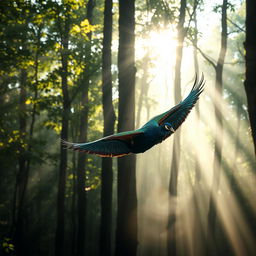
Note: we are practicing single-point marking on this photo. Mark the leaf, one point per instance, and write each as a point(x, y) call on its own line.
point(28, 101)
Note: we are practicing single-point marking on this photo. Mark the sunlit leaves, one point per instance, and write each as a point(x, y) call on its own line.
point(74, 4)
point(12, 140)
point(163, 12)
point(32, 37)
point(38, 19)
point(53, 125)
point(230, 6)
point(92, 175)
point(7, 245)
point(83, 29)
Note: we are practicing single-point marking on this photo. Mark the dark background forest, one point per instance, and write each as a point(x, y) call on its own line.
point(79, 70)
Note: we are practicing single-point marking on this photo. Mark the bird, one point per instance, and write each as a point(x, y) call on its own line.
point(140, 140)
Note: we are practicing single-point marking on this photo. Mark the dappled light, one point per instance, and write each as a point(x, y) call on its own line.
point(197, 136)
point(75, 73)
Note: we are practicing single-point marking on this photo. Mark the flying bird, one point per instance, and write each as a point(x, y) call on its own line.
point(153, 132)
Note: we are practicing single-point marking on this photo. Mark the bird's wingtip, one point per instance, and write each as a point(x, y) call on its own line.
point(199, 83)
point(66, 144)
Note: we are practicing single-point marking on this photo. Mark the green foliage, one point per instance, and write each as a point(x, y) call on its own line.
point(7, 246)
point(31, 39)
point(230, 6)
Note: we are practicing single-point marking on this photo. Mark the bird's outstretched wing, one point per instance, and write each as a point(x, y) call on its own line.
point(177, 115)
point(111, 146)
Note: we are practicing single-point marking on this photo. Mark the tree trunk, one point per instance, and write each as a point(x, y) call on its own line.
point(22, 176)
point(81, 164)
point(60, 230)
point(196, 211)
point(24, 156)
point(109, 122)
point(126, 232)
point(196, 66)
point(218, 139)
point(171, 245)
point(250, 62)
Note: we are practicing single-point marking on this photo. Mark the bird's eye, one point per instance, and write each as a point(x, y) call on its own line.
point(167, 127)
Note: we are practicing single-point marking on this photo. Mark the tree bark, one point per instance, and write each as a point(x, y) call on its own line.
point(196, 66)
point(218, 139)
point(81, 164)
point(60, 230)
point(126, 232)
point(171, 236)
point(250, 62)
point(196, 211)
point(22, 176)
point(109, 122)
point(26, 136)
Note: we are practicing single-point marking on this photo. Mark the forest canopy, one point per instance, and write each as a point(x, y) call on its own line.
point(79, 70)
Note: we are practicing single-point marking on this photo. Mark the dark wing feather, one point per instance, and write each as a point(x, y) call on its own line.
point(112, 146)
point(177, 115)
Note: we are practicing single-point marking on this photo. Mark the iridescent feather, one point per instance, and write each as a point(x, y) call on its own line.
point(153, 132)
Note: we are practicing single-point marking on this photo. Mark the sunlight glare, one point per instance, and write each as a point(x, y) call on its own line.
point(161, 46)
point(155, 52)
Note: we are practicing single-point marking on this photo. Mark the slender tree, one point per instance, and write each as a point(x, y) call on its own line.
point(218, 136)
point(109, 122)
point(196, 66)
point(197, 227)
point(22, 176)
point(218, 139)
point(250, 60)
point(171, 245)
point(64, 30)
point(83, 128)
point(126, 232)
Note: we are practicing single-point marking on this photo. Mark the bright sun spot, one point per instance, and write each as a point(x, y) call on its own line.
point(160, 45)
point(155, 57)
point(160, 49)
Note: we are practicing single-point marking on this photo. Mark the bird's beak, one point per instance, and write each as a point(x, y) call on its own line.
point(172, 130)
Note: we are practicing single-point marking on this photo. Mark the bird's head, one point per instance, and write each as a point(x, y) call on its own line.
point(167, 127)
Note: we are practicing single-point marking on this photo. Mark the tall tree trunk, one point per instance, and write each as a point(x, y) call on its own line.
point(197, 227)
point(126, 232)
point(34, 108)
point(109, 122)
point(60, 230)
point(81, 164)
point(171, 245)
point(218, 140)
point(196, 66)
point(22, 176)
point(250, 62)
point(30, 144)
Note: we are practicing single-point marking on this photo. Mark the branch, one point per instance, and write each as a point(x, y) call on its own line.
point(237, 26)
point(191, 15)
point(204, 55)
point(234, 62)
point(234, 31)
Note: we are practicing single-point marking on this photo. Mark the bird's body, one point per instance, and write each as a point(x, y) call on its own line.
point(147, 137)
point(153, 132)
